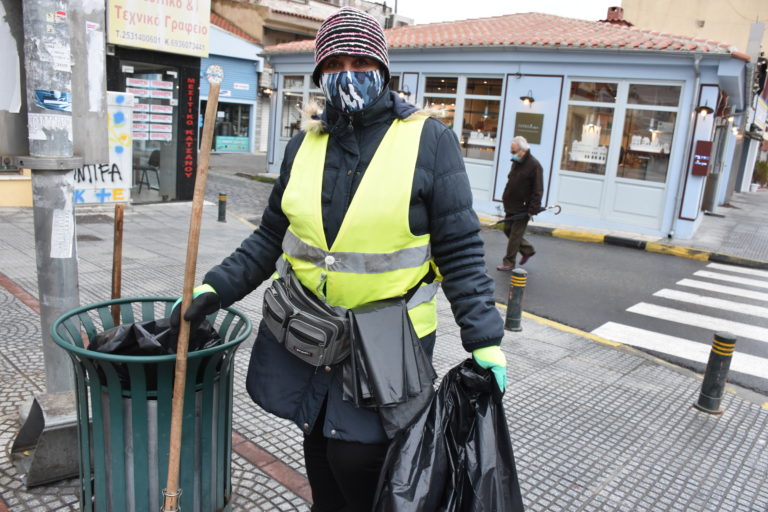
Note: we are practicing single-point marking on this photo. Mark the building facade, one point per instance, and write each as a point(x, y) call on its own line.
point(616, 115)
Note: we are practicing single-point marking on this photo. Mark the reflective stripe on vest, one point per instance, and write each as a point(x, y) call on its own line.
point(374, 256)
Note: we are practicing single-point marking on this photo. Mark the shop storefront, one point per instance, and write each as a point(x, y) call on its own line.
point(238, 113)
point(165, 89)
point(613, 118)
point(235, 127)
point(154, 54)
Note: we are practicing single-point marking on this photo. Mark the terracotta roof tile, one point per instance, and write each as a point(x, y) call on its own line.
point(230, 27)
point(531, 29)
point(297, 15)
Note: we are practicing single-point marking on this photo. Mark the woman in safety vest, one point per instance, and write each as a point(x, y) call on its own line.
point(373, 202)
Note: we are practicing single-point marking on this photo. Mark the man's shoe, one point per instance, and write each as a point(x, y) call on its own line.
point(526, 257)
point(504, 268)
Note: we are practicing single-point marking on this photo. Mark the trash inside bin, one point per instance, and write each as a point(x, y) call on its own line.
point(150, 338)
point(124, 409)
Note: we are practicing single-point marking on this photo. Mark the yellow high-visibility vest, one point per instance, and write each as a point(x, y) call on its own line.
point(374, 256)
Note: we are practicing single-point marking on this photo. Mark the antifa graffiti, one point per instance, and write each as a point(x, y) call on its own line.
point(98, 173)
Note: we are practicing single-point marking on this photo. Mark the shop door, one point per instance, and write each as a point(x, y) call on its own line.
point(536, 121)
point(155, 130)
point(616, 151)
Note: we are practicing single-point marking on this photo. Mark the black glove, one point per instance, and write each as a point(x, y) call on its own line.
point(205, 301)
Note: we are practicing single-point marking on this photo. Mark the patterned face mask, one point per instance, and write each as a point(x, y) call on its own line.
point(350, 91)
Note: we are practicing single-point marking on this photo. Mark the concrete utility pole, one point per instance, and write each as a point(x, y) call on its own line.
point(45, 449)
point(47, 61)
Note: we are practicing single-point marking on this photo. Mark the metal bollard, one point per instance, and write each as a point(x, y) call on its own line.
point(222, 207)
point(713, 387)
point(515, 300)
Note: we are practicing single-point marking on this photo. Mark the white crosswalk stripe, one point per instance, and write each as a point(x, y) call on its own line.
point(718, 298)
point(731, 279)
point(678, 347)
point(739, 270)
point(712, 302)
point(697, 320)
point(720, 288)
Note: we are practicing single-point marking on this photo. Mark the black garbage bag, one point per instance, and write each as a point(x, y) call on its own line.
point(152, 338)
point(457, 456)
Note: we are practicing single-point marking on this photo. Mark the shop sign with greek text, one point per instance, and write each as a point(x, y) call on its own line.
point(172, 26)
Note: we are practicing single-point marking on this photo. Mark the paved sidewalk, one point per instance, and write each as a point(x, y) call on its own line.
point(594, 426)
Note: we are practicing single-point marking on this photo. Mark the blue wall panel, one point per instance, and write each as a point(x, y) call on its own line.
point(236, 71)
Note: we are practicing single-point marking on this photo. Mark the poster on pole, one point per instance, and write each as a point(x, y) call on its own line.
point(110, 182)
point(172, 26)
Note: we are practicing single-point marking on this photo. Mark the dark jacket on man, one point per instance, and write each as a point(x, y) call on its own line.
point(441, 204)
point(524, 186)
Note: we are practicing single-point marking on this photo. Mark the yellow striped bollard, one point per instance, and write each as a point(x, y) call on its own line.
point(517, 283)
point(713, 387)
point(222, 207)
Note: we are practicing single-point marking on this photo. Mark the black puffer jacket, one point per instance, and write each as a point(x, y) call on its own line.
point(441, 204)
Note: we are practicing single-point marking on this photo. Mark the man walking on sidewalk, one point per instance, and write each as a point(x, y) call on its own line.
point(521, 198)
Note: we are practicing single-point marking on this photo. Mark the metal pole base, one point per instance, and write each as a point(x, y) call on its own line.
point(46, 448)
point(714, 412)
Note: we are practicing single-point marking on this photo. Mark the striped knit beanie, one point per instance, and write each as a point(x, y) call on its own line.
point(350, 31)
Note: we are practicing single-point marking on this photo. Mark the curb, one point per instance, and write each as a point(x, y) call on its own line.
point(680, 251)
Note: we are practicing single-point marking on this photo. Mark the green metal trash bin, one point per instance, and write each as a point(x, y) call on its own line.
point(124, 425)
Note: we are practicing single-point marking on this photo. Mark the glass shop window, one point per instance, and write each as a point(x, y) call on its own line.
point(587, 135)
point(647, 137)
point(290, 118)
point(594, 91)
point(394, 83)
point(441, 85)
point(479, 129)
point(440, 94)
point(658, 95)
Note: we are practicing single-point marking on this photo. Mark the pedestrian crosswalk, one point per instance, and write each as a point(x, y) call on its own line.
point(717, 298)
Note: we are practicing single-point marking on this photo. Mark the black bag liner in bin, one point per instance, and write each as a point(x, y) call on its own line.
point(457, 456)
point(150, 338)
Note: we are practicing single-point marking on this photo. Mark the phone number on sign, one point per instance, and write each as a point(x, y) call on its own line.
point(190, 45)
point(127, 35)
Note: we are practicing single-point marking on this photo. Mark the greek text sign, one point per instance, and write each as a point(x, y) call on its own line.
point(173, 26)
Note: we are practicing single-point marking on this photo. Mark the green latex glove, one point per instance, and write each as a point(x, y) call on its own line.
point(493, 358)
point(205, 301)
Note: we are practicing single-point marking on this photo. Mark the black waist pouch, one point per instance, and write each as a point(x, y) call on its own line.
point(308, 328)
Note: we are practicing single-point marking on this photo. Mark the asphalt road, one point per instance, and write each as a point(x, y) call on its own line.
point(592, 286)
